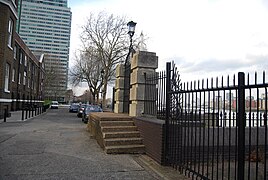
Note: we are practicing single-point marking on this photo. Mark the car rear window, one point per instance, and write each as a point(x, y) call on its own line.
point(93, 109)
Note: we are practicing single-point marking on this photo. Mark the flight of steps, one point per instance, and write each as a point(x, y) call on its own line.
point(120, 135)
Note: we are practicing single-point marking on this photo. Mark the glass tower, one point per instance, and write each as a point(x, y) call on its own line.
point(45, 27)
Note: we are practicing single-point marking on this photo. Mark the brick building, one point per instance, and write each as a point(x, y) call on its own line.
point(21, 73)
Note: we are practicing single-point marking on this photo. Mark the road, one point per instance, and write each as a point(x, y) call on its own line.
point(56, 145)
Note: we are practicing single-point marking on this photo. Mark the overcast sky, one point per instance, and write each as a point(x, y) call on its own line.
point(204, 37)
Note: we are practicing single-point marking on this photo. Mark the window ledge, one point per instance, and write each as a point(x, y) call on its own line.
point(7, 91)
point(10, 47)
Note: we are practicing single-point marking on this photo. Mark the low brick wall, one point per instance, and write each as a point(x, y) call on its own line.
point(152, 132)
point(94, 128)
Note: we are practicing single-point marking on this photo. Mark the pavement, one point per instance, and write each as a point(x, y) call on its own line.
point(16, 116)
point(56, 145)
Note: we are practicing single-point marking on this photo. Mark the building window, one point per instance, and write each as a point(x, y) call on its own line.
point(21, 55)
point(15, 52)
point(29, 82)
point(25, 60)
point(7, 77)
point(10, 32)
point(13, 74)
point(30, 66)
point(24, 78)
point(33, 86)
point(19, 78)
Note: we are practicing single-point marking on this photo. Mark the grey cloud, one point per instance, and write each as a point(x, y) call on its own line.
point(262, 45)
point(258, 59)
point(209, 65)
point(215, 65)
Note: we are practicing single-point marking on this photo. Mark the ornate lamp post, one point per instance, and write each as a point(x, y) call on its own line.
point(131, 31)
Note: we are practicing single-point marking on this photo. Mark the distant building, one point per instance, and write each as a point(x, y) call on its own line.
point(45, 27)
point(21, 73)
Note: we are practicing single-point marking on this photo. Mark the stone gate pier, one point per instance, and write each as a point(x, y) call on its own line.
point(142, 63)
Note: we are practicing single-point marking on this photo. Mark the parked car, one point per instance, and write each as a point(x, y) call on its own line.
point(54, 105)
point(74, 107)
point(81, 109)
point(89, 109)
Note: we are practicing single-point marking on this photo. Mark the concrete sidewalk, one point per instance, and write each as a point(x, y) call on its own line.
point(16, 116)
point(56, 145)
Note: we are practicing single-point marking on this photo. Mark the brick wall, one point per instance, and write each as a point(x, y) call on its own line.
point(6, 56)
point(152, 132)
point(16, 91)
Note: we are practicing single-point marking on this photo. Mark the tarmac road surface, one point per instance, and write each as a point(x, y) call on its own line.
point(56, 145)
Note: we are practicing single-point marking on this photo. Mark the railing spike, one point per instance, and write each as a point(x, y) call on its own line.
point(212, 82)
point(248, 78)
point(263, 78)
point(255, 78)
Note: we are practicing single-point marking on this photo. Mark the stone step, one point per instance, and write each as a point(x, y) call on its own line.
point(118, 128)
point(125, 149)
point(116, 119)
point(122, 141)
point(110, 117)
point(126, 134)
point(116, 123)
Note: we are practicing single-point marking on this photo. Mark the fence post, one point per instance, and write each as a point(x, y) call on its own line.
point(26, 113)
point(241, 123)
point(168, 88)
point(5, 115)
point(22, 114)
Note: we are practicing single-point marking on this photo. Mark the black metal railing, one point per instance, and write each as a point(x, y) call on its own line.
point(154, 96)
point(215, 129)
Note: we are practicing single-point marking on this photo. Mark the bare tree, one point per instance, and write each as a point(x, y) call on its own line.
point(107, 35)
point(87, 96)
point(87, 69)
point(69, 95)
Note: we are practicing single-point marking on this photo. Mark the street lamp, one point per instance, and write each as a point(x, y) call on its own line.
point(131, 28)
point(131, 31)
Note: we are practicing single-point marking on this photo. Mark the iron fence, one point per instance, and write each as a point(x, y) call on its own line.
point(215, 129)
point(155, 94)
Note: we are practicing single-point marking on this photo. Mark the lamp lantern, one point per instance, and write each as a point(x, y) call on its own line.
point(131, 28)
